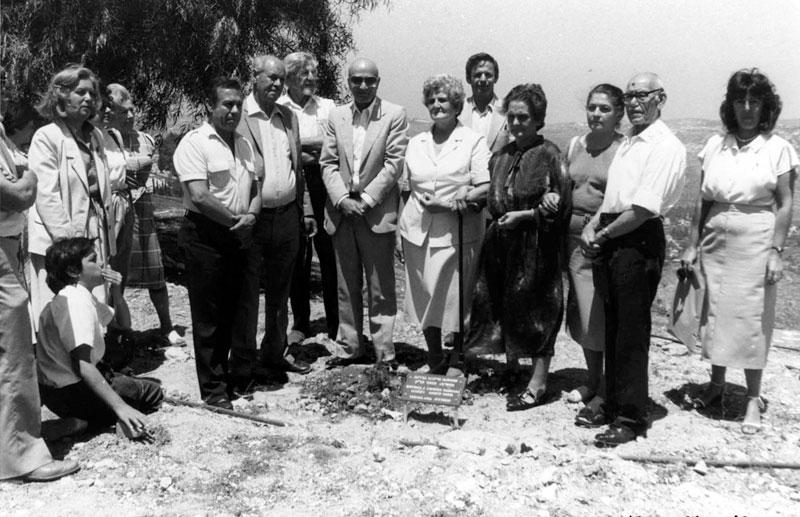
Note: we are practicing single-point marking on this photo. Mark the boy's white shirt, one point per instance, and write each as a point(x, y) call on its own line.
point(74, 317)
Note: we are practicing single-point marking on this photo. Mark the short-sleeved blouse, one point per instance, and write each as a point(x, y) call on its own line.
point(747, 176)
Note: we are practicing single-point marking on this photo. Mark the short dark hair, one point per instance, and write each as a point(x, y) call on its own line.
point(751, 81)
point(222, 83)
point(63, 258)
point(475, 59)
point(532, 95)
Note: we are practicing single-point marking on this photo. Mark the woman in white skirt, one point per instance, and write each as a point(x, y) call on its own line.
point(446, 172)
point(740, 225)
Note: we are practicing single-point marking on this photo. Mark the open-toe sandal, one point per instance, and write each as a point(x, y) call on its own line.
point(526, 400)
point(755, 427)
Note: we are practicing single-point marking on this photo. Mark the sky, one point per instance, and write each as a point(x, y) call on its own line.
point(568, 46)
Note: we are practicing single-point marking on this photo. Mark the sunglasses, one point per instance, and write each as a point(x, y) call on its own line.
point(369, 81)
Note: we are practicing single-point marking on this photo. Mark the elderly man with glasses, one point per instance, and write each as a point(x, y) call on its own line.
point(362, 158)
point(626, 236)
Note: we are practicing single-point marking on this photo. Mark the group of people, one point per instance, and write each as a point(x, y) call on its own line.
point(484, 212)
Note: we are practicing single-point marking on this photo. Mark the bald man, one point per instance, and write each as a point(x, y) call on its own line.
point(645, 180)
point(274, 133)
point(363, 147)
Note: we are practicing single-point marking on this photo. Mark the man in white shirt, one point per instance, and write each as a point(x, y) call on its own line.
point(362, 159)
point(273, 131)
point(483, 111)
point(216, 169)
point(312, 112)
point(627, 235)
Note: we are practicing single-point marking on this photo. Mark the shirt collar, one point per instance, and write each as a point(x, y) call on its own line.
point(730, 143)
point(207, 130)
point(253, 109)
point(286, 100)
point(652, 133)
point(368, 109)
point(490, 108)
point(457, 135)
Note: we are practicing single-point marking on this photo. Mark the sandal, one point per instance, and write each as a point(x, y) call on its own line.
point(591, 415)
point(580, 394)
point(526, 400)
point(755, 427)
point(714, 393)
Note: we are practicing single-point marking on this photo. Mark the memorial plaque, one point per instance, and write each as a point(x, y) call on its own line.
point(428, 388)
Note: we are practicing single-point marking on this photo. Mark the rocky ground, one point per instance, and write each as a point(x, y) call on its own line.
point(344, 449)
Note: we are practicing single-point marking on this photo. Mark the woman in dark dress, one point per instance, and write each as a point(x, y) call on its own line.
point(518, 300)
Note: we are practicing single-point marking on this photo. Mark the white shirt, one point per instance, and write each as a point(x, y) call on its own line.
point(74, 317)
point(311, 116)
point(203, 155)
point(361, 120)
point(747, 176)
point(647, 171)
point(116, 158)
point(279, 187)
point(481, 121)
point(462, 161)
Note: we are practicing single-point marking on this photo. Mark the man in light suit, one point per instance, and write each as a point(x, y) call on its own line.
point(362, 159)
point(483, 111)
point(273, 132)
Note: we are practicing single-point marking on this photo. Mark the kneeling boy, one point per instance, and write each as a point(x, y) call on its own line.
point(70, 347)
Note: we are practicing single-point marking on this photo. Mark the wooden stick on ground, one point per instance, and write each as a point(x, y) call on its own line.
point(758, 464)
point(227, 412)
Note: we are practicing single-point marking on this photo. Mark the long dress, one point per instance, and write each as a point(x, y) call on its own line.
point(588, 173)
point(739, 312)
point(146, 269)
point(518, 301)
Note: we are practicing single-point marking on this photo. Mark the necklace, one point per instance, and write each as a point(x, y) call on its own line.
point(741, 142)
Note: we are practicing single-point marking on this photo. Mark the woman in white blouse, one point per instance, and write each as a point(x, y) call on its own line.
point(446, 172)
point(744, 174)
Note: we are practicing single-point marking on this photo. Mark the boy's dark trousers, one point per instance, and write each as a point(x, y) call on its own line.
point(79, 401)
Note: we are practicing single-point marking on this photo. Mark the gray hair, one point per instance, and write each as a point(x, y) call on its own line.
point(296, 62)
point(447, 84)
point(258, 63)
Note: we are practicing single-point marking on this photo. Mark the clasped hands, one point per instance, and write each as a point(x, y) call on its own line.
point(462, 202)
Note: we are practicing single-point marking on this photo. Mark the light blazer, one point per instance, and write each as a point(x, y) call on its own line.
point(381, 163)
point(248, 128)
point(498, 131)
point(62, 196)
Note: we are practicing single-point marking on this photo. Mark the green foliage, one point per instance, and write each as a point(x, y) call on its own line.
point(167, 51)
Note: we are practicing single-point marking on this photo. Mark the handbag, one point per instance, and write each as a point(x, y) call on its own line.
point(687, 308)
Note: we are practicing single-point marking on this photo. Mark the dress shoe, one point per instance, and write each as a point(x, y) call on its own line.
point(285, 365)
point(526, 400)
point(591, 417)
point(221, 402)
point(615, 435)
point(338, 362)
point(52, 471)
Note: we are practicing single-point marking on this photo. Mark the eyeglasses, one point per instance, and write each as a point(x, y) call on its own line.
point(640, 96)
point(369, 81)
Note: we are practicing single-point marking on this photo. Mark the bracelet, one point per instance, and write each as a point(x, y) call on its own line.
point(779, 249)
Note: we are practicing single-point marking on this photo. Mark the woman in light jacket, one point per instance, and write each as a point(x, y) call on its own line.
point(73, 197)
point(446, 172)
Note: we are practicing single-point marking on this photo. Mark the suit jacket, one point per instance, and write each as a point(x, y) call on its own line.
point(62, 196)
point(248, 128)
point(498, 130)
point(381, 163)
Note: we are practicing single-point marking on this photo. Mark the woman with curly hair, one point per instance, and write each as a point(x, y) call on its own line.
point(519, 302)
point(740, 237)
point(446, 174)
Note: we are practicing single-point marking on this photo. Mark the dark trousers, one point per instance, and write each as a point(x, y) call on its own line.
point(301, 289)
point(276, 237)
point(79, 401)
point(627, 278)
point(216, 266)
